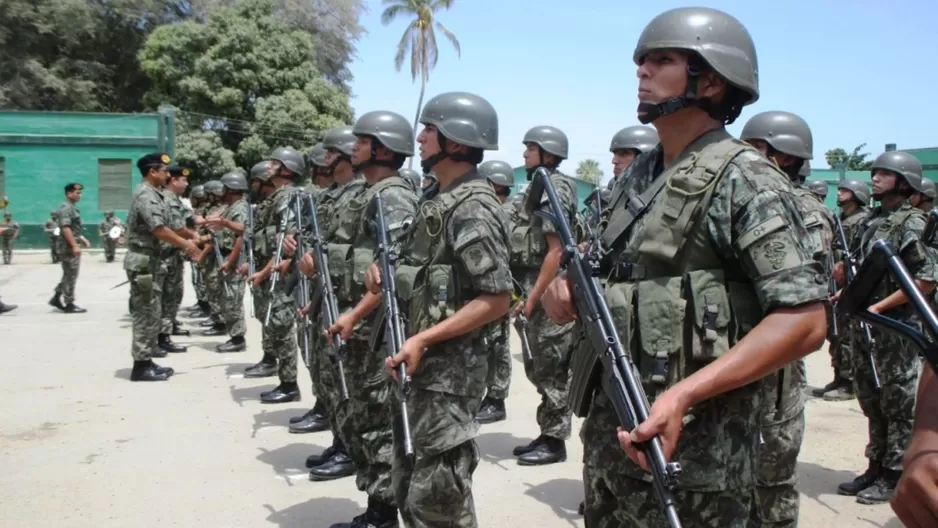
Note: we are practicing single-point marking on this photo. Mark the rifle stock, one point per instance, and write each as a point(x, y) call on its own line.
point(298, 279)
point(619, 380)
point(850, 272)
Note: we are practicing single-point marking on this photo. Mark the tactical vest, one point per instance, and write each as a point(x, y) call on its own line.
point(228, 237)
point(528, 243)
point(889, 227)
point(261, 251)
point(678, 307)
point(276, 211)
point(818, 226)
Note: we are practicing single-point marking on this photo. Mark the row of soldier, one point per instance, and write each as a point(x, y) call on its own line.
point(716, 261)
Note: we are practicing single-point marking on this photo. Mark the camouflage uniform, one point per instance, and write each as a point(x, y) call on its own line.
point(499, 376)
point(843, 351)
point(744, 260)
point(460, 236)
point(232, 308)
point(211, 276)
point(109, 244)
point(172, 258)
point(71, 218)
point(7, 238)
point(198, 280)
point(262, 254)
point(550, 343)
point(146, 271)
point(49, 228)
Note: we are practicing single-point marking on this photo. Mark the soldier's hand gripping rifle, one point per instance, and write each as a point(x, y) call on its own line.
point(301, 279)
point(521, 326)
point(248, 247)
point(855, 299)
point(850, 273)
point(278, 259)
point(393, 321)
point(619, 380)
point(330, 306)
point(219, 260)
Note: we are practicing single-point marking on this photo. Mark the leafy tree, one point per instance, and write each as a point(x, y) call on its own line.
point(419, 39)
point(203, 152)
point(588, 170)
point(855, 161)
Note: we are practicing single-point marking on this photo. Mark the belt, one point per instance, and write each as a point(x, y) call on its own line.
point(627, 272)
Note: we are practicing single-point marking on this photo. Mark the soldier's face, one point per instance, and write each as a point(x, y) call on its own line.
point(662, 75)
point(428, 141)
point(883, 181)
point(331, 156)
point(621, 159)
point(74, 196)
point(532, 155)
point(273, 168)
point(361, 150)
point(843, 196)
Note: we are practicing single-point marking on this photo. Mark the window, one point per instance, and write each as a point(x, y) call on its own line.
point(114, 191)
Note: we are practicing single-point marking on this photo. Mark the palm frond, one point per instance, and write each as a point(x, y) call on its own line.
point(451, 37)
point(403, 46)
point(394, 11)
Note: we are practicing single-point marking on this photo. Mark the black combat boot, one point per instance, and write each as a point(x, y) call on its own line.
point(312, 422)
point(520, 450)
point(320, 459)
point(881, 491)
point(56, 301)
point(265, 368)
point(550, 451)
point(319, 409)
point(378, 515)
point(178, 330)
point(339, 466)
point(213, 321)
point(235, 344)
point(491, 411)
point(581, 509)
point(283, 393)
point(218, 329)
point(863, 481)
point(147, 371)
point(165, 343)
point(826, 388)
point(72, 308)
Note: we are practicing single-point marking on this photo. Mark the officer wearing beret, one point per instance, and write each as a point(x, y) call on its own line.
point(68, 250)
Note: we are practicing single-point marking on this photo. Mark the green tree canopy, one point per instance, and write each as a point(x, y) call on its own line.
point(854, 161)
point(588, 170)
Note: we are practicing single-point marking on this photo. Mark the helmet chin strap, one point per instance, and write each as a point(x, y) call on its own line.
point(649, 112)
point(540, 163)
point(373, 160)
point(428, 164)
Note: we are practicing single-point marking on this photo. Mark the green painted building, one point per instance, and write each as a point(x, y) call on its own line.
point(41, 152)
point(833, 177)
point(583, 187)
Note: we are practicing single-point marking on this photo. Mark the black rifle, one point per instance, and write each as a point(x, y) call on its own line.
point(521, 326)
point(392, 320)
point(302, 282)
point(278, 259)
point(248, 239)
point(855, 299)
point(850, 272)
point(618, 371)
point(330, 306)
point(219, 260)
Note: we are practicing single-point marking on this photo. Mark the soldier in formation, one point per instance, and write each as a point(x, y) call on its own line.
point(104, 232)
point(52, 230)
point(68, 250)
point(626, 145)
point(9, 230)
point(178, 219)
point(198, 202)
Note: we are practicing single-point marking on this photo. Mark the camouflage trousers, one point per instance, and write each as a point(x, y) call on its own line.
point(7, 243)
point(172, 291)
point(232, 308)
point(261, 296)
point(198, 282)
point(70, 265)
point(890, 410)
point(775, 499)
point(53, 251)
point(365, 420)
point(280, 333)
point(214, 291)
point(842, 347)
point(322, 372)
point(146, 293)
point(436, 490)
point(551, 346)
point(110, 248)
point(614, 499)
point(499, 376)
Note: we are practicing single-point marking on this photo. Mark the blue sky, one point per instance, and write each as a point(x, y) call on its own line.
point(859, 71)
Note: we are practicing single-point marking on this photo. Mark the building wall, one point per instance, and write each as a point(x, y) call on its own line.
point(41, 152)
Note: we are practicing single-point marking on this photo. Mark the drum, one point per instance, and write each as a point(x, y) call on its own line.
point(115, 233)
point(57, 231)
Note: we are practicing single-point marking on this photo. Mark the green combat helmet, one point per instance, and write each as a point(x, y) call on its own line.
point(928, 188)
point(411, 176)
point(339, 138)
point(198, 192)
point(902, 163)
point(463, 118)
point(638, 138)
point(783, 131)
point(235, 181)
point(259, 171)
point(317, 155)
point(860, 190)
point(392, 130)
point(818, 187)
point(214, 187)
point(718, 39)
point(552, 140)
point(805, 170)
point(498, 173)
point(289, 158)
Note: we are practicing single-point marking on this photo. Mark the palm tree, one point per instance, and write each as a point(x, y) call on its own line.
point(588, 170)
point(419, 39)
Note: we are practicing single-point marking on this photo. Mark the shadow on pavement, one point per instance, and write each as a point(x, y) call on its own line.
point(244, 394)
point(497, 447)
point(289, 461)
point(563, 495)
point(816, 481)
point(276, 418)
point(317, 512)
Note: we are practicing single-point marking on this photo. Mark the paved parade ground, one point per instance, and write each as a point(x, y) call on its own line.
point(81, 446)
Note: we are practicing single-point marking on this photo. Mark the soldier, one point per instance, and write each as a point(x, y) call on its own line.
point(286, 166)
point(626, 145)
point(502, 178)
point(214, 291)
point(535, 260)
point(146, 227)
point(9, 230)
point(786, 139)
point(198, 199)
point(889, 410)
point(51, 228)
point(384, 140)
point(853, 196)
point(334, 462)
point(104, 230)
point(231, 222)
point(69, 251)
point(460, 237)
point(321, 172)
point(413, 178)
point(711, 225)
point(925, 200)
point(179, 220)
